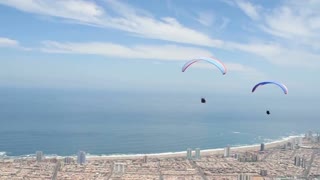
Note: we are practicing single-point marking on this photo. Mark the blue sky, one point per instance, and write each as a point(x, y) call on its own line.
point(142, 45)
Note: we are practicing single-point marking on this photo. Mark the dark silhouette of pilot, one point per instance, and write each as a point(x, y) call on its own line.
point(268, 112)
point(203, 100)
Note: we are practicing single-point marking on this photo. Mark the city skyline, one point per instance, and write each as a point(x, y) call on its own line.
point(276, 162)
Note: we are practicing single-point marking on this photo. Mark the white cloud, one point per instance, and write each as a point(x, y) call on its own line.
point(231, 68)
point(209, 19)
point(228, 2)
point(206, 18)
point(249, 9)
point(245, 71)
point(294, 27)
point(124, 17)
point(240, 68)
point(79, 10)
point(279, 55)
point(169, 29)
point(295, 22)
point(256, 48)
point(285, 23)
point(225, 22)
point(150, 52)
point(160, 52)
point(274, 53)
point(6, 42)
point(291, 21)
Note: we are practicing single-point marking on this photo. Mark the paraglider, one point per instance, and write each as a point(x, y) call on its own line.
point(282, 86)
point(211, 60)
point(203, 100)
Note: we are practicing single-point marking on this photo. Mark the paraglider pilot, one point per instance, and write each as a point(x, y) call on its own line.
point(203, 100)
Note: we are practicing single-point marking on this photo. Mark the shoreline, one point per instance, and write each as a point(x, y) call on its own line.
point(204, 152)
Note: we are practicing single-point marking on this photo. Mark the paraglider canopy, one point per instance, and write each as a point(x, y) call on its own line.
point(211, 60)
point(203, 100)
point(282, 86)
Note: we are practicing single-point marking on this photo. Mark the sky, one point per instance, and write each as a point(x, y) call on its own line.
point(142, 45)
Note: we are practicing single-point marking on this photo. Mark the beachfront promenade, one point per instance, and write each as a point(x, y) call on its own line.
point(277, 160)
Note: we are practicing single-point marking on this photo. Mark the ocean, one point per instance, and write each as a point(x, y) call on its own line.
point(103, 122)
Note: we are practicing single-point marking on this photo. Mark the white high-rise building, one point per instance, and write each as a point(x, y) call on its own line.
point(119, 168)
point(227, 151)
point(39, 156)
point(81, 159)
point(189, 153)
point(197, 154)
point(299, 141)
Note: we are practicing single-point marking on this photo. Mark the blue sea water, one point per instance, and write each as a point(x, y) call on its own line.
point(99, 122)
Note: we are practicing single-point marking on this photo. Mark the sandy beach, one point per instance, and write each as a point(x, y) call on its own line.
point(205, 152)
